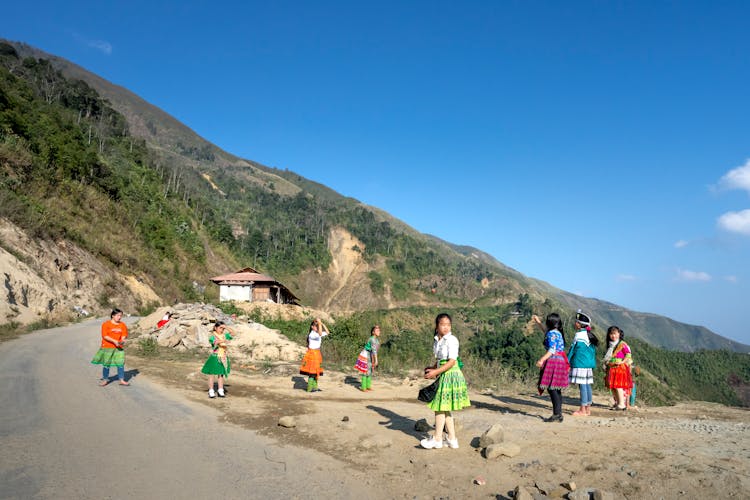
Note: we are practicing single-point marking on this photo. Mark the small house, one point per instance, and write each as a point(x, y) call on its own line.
point(248, 285)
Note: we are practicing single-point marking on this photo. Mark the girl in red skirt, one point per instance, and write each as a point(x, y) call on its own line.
point(312, 362)
point(617, 363)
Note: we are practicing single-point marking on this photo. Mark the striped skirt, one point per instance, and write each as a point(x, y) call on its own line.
point(583, 376)
point(554, 374)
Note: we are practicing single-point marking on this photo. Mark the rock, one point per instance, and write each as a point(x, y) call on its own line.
point(521, 493)
point(570, 485)
point(602, 495)
point(288, 422)
point(501, 449)
point(421, 425)
point(480, 481)
point(493, 435)
point(345, 419)
point(579, 495)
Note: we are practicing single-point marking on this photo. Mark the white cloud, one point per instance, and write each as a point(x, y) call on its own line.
point(680, 244)
point(731, 279)
point(738, 178)
point(736, 222)
point(101, 45)
point(625, 277)
point(687, 275)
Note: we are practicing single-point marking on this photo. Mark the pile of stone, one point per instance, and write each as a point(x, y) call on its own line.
point(191, 325)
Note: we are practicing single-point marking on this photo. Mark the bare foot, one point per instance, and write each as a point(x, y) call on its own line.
point(579, 413)
point(122, 382)
point(103, 382)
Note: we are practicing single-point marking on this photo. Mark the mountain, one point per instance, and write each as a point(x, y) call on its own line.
point(123, 204)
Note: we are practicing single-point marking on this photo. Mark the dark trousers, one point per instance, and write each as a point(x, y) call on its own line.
point(556, 396)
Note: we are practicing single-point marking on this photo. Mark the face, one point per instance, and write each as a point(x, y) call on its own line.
point(444, 326)
point(117, 317)
point(614, 335)
point(376, 331)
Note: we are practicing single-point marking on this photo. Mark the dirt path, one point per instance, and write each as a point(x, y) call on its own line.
point(63, 436)
point(686, 451)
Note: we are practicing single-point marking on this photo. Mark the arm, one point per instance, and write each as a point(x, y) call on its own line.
point(436, 371)
point(538, 322)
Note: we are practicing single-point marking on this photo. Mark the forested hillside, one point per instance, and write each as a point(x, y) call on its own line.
point(142, 199)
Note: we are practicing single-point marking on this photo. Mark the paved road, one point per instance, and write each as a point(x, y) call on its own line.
point(62, 436)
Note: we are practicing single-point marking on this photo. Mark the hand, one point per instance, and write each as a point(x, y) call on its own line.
point(540, 363)
point(536, 319)
point(430, 373)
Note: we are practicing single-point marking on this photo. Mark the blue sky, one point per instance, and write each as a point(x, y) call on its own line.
point(602, 147)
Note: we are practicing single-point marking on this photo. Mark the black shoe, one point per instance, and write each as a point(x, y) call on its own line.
point(554, 418)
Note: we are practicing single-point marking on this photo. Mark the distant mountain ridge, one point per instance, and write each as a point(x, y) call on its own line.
point(371, 280)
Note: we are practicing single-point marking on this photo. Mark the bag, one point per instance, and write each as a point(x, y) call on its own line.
point(427, 394)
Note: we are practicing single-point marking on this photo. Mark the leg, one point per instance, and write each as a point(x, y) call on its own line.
point(620, 398)
point(121, 375)
point(310, 383)
point(363, 385)
point(589, 398)
point(105, 376)
point(582, 411)
point(439, 426)
point(450, 426)
point(220, 380)
point(210, 382)
point(556, 397)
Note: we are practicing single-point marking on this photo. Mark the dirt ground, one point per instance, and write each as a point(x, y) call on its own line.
point(684, 451)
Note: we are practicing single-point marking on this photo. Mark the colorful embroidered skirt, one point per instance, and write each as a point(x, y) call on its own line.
point(619, 377)
point(363, 363)
point(583, 376)
point(554, 374)
point(312, 363)
point(215, 367)
point(109, 357)
point(452, 393)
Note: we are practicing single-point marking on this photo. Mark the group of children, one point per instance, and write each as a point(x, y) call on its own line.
point(558, 368)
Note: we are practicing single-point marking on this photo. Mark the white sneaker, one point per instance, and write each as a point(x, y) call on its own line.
point(211, 393)
point(452, 443)
point(431, 443)
point(221, 392)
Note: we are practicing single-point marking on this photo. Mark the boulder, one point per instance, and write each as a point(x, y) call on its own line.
point(501, 449)
point(493, 435)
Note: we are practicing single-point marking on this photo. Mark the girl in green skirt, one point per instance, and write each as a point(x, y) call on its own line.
point(218, 365)
point(452, 393)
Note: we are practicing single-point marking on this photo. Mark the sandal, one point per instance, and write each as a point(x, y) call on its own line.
point(103, 382)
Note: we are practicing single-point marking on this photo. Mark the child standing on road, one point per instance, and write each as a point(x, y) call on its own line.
point(111, 353)
point(617, 361)
point(582, 356)
point(452, 393)
point(218, 365)
point(368, 359)
point(312, 362)
point(554, 364)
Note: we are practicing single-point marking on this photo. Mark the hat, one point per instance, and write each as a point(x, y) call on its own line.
point(583, 318)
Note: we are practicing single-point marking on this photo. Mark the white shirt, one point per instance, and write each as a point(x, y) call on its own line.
point(445, 348)
point(314, 339)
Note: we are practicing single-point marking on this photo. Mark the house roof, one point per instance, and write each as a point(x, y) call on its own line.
point(248, 276)
point(242, 277)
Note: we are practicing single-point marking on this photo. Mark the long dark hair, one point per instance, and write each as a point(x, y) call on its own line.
point(554, 322)
point(593, 339)
point(441, 316)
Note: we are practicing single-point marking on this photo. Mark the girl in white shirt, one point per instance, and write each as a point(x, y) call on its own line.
point(452, 393)
point(312, 362)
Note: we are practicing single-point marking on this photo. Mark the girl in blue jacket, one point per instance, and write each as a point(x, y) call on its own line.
point(582, 356)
